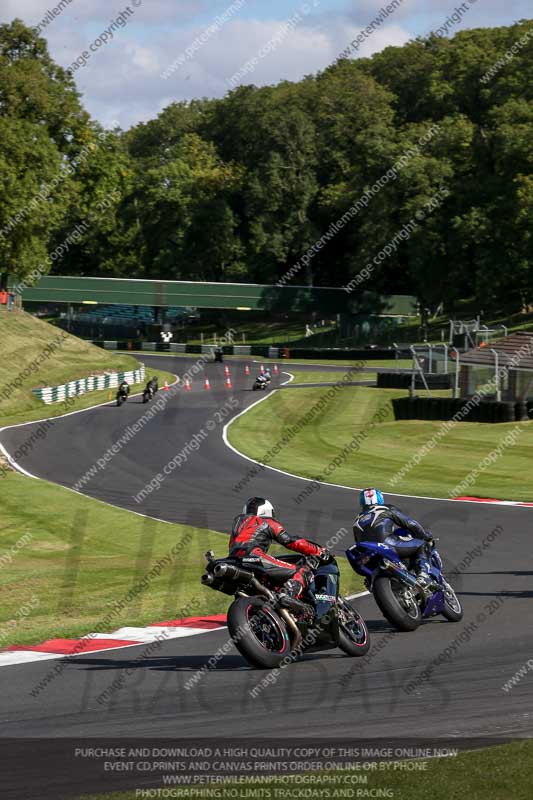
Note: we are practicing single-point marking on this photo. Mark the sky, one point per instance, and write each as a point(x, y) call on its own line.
point(142, 55)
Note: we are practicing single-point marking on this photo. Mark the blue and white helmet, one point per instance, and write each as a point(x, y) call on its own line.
point(371, 497)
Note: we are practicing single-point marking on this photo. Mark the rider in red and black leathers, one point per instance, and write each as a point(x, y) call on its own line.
point(255, 530)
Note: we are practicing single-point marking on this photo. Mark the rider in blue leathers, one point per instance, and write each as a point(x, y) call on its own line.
point(378, 522)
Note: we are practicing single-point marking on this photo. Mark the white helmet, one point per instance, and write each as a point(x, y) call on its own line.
point(259, 507)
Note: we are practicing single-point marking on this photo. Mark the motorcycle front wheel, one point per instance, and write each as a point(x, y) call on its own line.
point(257, 632)
point(397, 603)
point(453, 610)
point(354, 639)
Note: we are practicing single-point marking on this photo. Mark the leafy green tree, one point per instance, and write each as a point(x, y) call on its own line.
point(184, 224)
point(42, 126)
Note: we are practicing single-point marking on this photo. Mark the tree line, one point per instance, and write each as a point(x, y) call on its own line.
point(306, 183)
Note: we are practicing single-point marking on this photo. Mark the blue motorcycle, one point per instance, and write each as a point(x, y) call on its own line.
point(402, 601)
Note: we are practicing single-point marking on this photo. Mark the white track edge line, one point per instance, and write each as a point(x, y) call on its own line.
point(291, 378)
point(514, 503)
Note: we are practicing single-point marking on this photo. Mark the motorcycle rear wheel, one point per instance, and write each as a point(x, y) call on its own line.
point(258, 633)
point(404, 617)
point(354, 639)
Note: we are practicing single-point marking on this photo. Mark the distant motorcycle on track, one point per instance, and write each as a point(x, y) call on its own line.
point(402, 601)
point(261, 382)
point(122, 394)
point(148, 394)
point(267, 628)
point(150, 390)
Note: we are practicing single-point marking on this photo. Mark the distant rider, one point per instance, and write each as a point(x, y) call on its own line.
point(124, 388)
point(255, 530)
point(152, 385)
point(264, 377)
point(377, 521)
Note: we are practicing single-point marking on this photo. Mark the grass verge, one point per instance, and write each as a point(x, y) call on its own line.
point(382, 450)
point(495, 773)
point(67, 558)
point(331, 377)
point(27, 363)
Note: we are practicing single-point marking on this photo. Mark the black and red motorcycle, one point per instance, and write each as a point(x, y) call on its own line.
point(271, 629)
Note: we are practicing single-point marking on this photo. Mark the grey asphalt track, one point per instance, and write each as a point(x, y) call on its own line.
point(326, 692)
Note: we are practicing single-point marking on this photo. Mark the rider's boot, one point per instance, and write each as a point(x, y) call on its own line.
point(288, 598)
point(423, 578)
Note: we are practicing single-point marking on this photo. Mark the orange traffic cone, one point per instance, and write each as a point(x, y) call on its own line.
point(226, 370)
point(262, 369)
point(276, 370)
point(207, 385)
point(187, 385)
point(165, 387)
point(228, 382)
point(246, 369)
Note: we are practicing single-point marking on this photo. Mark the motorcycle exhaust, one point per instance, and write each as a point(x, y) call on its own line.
point(294, 633)
point(233, 573)
point(228, 572)
point(403, 574)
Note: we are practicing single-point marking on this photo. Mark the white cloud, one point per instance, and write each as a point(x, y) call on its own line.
point(101, 11)
point(122, 80)
point(389, 36)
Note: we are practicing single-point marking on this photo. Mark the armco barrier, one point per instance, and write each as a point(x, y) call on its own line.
point(56, 394)
point(402, 380)
point(445, 408)
point(360, 354)
point(522, 410)
point(265, 351)
point(399, 405)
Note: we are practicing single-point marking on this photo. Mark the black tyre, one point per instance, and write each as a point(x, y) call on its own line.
point(258, 633)
point(119, 400)
point(397, 604)
point(453, 610)
point(354, 639)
